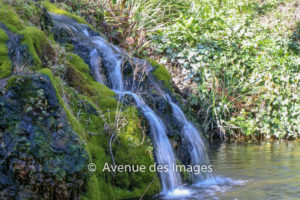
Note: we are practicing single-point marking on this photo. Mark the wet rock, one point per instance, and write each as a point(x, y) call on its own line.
point(18, 53)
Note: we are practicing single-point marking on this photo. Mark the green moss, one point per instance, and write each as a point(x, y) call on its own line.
point(134, 149)
point(5, 63)
point(38, 45)
point(99, 93)
point(10, 19)
point(77, 80)
point(78, 63)
point(53, 8)
point(3, 36)
point(161, 73)
point(69, 47)
point(73, 121)
point(129, 150)
point(79, 128)
point(23, 97)
point(83, 111)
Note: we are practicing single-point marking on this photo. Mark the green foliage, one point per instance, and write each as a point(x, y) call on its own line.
point(5, 63)
point(246, 72)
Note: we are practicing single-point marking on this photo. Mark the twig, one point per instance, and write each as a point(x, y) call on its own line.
point(148, 187)
point(95, 133)
point(110, 150)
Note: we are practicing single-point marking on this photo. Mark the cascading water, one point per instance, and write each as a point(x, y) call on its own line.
point(112, 60)
point(111, 57)
point(95, 63)
point(163, 150)
point(194, 141)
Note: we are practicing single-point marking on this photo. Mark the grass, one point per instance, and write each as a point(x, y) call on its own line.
point(246, 74)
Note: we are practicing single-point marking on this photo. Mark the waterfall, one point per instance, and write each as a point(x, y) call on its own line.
point(193, 139)
point(95, 62)
point(102, 53)
point(112, 60)
point(163, 150)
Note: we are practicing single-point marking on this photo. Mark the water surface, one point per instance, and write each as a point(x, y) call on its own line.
point(254, 171)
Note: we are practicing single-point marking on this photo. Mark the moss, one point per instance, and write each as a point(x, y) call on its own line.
point(69, 47)
point(133, 149)
point(83, 112)
point(54, 9)
point(33, 97)
point(99, 93)
point(3, 36)
point(38, 45)
point(10, 19)
point(161, 73)
point(73, 121)
point(78, 63)
point(130, 150)
point(5, 63)
point(89, 118)
point(92, 190)
point(76, 80)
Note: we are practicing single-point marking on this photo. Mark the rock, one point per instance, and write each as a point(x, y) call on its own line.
point(41, 156)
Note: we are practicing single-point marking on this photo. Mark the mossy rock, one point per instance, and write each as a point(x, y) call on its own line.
point(76, 80)
point(88, 109)
point(54, 9)
point(38, 45)
point(130, 150)
point(69, 47)
point(161, 73)
point(5, 63)
point(41, 150)
point(134, 148)
point(81, 80)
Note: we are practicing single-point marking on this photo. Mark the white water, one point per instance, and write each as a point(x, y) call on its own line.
point(194, 141)
point(95, 63)
point(163, 150)
point(112, 60)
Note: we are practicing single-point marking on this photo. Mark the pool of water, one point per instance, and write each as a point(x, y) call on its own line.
point(254, 171)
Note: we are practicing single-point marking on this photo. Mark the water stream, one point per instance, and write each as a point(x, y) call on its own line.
point(196, 146)
point(111, 58)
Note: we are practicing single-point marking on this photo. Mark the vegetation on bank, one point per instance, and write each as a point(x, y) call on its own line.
point(246, 72)
point(239, 60)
